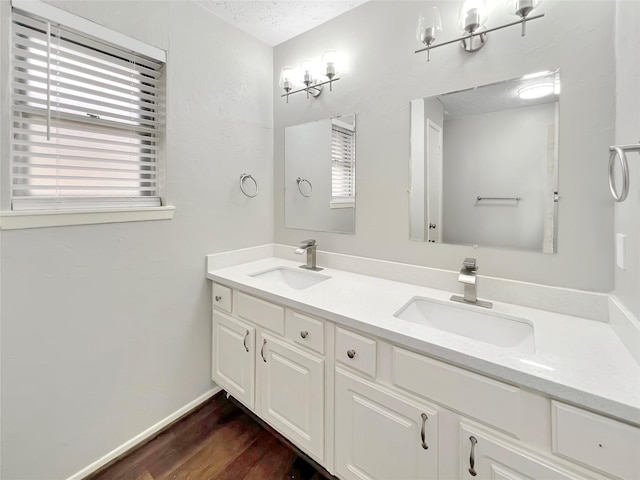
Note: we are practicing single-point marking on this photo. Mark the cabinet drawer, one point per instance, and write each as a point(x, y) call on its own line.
point(262, 313)
point(304, 330)
point(356, 351)
point(598, 442)
point(221, 296)
point(484, 399)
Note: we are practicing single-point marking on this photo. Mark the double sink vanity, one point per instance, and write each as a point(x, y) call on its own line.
point(379, 379)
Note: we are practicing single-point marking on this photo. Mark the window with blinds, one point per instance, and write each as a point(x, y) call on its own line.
point(343, 165)
point(85, 120)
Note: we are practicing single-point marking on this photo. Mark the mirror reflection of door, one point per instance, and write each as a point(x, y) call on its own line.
point(433, 172)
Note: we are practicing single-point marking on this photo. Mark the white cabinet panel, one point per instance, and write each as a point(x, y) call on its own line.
point(483, 456)
point(292, 393)
point(263, 314)
point(596, 441)
point(487, 400)
point(382, 436)
point(233, 365)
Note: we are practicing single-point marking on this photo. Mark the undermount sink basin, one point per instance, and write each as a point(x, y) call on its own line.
point(291, 277)
point(472, 322)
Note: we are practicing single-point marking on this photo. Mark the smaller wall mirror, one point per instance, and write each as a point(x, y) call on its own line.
point(320, 175)
point(483, 166)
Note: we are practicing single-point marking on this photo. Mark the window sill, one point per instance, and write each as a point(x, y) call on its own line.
point(338, 204)
point(60, 218)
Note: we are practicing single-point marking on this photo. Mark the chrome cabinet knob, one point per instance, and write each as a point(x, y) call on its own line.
point(351, 353)
point(304, 334)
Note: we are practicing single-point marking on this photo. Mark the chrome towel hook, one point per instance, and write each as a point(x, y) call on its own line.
point(244, 177)
point(620, 152)
point(300, 180)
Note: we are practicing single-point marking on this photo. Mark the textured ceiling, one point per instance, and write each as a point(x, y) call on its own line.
point(274, 21)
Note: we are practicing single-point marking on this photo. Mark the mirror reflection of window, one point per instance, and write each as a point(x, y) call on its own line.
point(322, 153)
point(343, 164)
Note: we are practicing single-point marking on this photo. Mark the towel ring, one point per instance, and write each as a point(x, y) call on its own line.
point(619, 152)
point(243, 177)
point(300, 180)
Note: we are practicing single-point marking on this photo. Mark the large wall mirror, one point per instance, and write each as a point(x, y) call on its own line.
point(484, 163)
point(320, 175)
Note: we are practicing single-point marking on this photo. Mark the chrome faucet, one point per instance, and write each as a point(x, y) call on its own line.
point(310, 247)
point(469, 280)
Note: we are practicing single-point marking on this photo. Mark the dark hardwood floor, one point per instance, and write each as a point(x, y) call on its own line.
point(218, 441)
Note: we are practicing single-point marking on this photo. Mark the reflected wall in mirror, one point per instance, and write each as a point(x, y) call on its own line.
point(483, 166)
point(320, 175)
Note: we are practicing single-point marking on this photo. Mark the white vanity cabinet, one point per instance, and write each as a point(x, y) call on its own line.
point(366, 408)
point(403, 415)
point(279, 377)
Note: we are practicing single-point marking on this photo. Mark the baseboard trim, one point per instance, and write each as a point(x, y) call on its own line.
point(142, 437)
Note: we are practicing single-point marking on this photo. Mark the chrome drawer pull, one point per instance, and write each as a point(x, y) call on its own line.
point(472, 460)
point(246, 334)
point(262, 351)
point(304, 334)
point(351, 353)
point(422, 433)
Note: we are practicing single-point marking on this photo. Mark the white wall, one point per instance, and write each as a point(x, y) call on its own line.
point(383, 75)
point(627, 218)
point(106, 328)
point(497, 154)
point(308, 156)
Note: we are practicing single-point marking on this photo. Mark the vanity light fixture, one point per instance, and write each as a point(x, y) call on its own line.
point(307, 79)
point(471, 20)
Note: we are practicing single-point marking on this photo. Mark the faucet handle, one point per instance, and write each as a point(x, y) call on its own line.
point(469, 263)
point(308, 243)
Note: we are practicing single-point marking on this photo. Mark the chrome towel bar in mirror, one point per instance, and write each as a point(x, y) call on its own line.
point(620, 152)
point(244, 177)
point(517, 199)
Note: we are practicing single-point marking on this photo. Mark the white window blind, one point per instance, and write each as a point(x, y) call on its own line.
point(85, 120)
point(343, 164)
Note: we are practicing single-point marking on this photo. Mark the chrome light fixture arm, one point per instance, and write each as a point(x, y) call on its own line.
point(468, 37)
point(313, 89)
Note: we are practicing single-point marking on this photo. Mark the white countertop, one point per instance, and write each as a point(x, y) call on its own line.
point(576, 360)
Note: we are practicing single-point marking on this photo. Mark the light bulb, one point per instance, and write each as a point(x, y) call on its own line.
point(329, 61)
point(473, 15)
point(522, 8)
point(429, 26)
point(308, 71)
point(286, 78)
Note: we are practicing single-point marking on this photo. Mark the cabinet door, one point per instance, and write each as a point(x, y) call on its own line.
point(292, 393)
point(380, 435)
point(485, 457)
point(233, 357)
